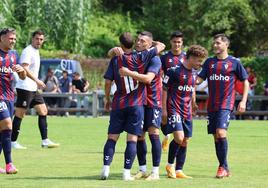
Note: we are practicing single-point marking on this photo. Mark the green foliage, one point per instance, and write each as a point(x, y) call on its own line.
point(103, 32)
point(259, 65)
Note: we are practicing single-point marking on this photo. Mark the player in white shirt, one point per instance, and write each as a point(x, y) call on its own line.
point(28, 95)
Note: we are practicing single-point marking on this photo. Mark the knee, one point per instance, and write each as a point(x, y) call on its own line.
point(42, 111)
point(20, 113)
point(178, 140)
point(113, 137)
point(153, 130)
point(221, 133)
point(185, 142)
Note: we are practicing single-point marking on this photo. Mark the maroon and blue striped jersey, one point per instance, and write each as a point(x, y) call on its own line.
point(129, 91)
point(7, 60)
point(154, 90)
point(170, 60)
point(221, 75)
point(180, 84)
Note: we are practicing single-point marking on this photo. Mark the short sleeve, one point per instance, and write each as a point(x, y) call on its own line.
point(204, 72)
point(109, 74)
point(148, 54)
point(168, 77)
point(240, 71)
point(25, 56)
point(155, 65)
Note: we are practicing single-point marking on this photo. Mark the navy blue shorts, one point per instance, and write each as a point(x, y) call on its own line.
point(176, 123)
point(152, 117)
point(6, 109)
point(218, 120)
point(129, 119)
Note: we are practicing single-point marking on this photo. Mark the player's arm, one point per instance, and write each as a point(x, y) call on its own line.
point(242, 105)
point(194, 104)
point(115, 51)
point(164, 106)
point(20, 70)
point(159, 46)
point(40, 83)
point(145, 78)
point(86, 86)
point(107, 89)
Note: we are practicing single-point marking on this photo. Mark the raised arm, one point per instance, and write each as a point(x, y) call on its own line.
point(159, 46)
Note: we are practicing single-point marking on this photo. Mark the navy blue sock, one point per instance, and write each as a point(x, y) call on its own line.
point(222, 152)
point(6, 144)
point(15, 128)
point(156, 149)
point(180, 158)
point(42, 124)
point(172, 152)
point(141, 152)
point(130, 154)
point(108, 152)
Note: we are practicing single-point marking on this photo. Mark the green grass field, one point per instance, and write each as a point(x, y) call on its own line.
point(78, 161)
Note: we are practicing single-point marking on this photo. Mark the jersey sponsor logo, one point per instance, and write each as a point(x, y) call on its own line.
point(186, 88)
point(219, 77)
point(4, 69)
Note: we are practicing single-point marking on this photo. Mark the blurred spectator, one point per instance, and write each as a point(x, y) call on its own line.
point(264, 103)
point(80, 85)
point(52, 86)
point(252, 79)
point(65, 86)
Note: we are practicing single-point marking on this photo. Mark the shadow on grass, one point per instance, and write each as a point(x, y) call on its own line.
point(113, 176)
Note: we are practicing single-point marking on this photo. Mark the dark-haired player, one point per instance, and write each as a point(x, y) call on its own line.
point(221, 72)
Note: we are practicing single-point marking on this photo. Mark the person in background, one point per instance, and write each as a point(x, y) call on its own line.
point(80, 85)
point(28, 95)
point(65, 86)
point(52, 86)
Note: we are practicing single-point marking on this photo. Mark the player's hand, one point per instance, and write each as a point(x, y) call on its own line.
point(17, 68)
point(107, 105)
point(241, 107)
point(123, 71)
point(194, 108)
point(118, 51)
point(40, 84)
point(164, 117)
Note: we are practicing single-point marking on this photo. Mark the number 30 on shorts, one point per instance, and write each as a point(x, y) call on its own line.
point(174, 119)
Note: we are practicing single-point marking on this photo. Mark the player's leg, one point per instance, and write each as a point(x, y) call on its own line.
point(221, 144)
point(180, 159)
point(108, 153)
point(156, 152)
point(181, 154)
point(133, 126)
point(24, 98)
point(154, 117)
point(116, 126)
point(41, 109)
point(172, 152)
point(6, 130)
point(141, 155)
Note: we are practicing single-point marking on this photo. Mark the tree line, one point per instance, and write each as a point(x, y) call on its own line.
point(91, 27)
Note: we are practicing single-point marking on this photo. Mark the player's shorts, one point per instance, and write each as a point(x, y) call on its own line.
point(218, 120)
point(6, 109)
point(176, 123)
point(129, 119)
point(26, 99)
point(152, 117)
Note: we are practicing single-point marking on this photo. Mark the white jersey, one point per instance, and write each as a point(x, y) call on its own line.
point(30, 56)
